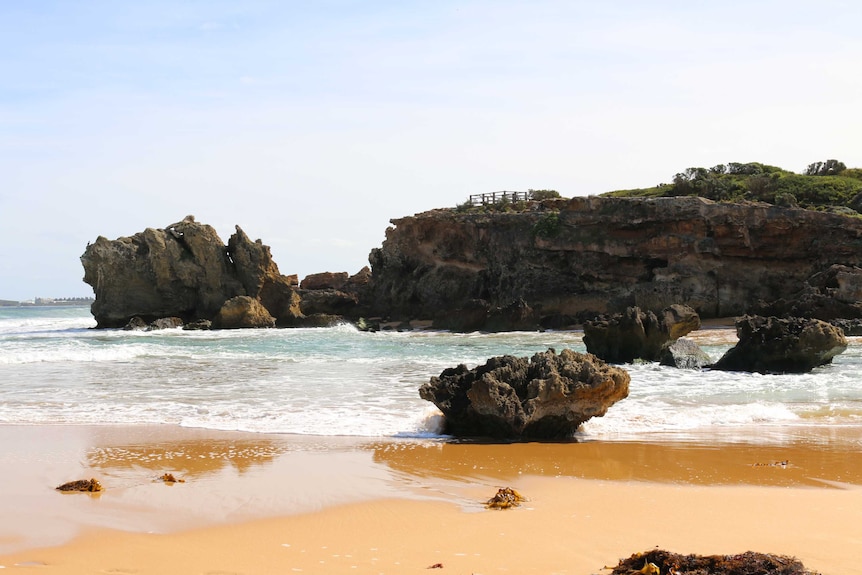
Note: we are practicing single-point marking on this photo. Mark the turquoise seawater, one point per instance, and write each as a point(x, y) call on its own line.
point(55, 368)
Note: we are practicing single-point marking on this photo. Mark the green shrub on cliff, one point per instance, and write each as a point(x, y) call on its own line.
point(543, 194)
point(548, 226)
point(823, 185)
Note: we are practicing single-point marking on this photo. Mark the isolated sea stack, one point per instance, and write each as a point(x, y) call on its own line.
point(547, 396)
point(184, 271)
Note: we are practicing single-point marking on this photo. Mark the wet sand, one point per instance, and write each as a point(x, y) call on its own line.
point(255, 503)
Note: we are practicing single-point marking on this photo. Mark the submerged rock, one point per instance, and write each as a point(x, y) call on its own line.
point(782, 345)
point(684, 354)
point(546, 397)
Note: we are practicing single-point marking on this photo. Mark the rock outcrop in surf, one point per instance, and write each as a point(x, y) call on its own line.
point(547, 396)
point(782, 345)
point(186, 271)
point(550, 263)
point(637, 334)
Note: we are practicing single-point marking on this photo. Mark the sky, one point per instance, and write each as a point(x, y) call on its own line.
point(311, 124)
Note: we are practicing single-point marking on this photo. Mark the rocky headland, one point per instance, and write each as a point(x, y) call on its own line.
point(559, 262)
point(549, 263)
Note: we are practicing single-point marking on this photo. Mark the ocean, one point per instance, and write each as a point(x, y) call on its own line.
point(56, 369)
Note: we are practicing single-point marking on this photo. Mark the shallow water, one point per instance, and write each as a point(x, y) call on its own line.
point(342, 382)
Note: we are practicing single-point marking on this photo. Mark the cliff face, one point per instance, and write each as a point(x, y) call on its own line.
point(568, 259)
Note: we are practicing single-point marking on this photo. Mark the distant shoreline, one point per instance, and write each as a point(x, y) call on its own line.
point(47, 302)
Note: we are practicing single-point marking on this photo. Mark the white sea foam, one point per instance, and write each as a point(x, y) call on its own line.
point(340, 381)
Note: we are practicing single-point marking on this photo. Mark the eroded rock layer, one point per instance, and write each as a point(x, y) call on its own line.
point(566, 260)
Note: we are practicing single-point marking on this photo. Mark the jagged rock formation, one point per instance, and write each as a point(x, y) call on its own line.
point(546, 397)
point(789, 345)
point(556, 263)
point(636, 334)
point(569, 260)
point(185, 271)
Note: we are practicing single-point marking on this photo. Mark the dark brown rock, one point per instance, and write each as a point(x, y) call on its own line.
point(748, 563)
point(165, 323)
point(600, 255)
point(327, 301)
point(782, 345)
point(198, 325)
point(833, 294)
point(636, 334)
point(324, 280)
point(546, 397)
point(135, 324)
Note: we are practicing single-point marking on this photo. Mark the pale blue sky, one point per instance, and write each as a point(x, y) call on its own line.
point(311, 124)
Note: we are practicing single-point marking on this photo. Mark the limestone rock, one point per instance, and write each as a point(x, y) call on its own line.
point(324, 280)
point(261, 279)
point(576, 259)
point(183, 271)
point(636, 334)
point(241, 312)
point(833, 294)
point(776, 345)
point(165, 323)
point(546, 397)
point(684, 354)
point(135, 324)
point(327, 301)
point(198, 325)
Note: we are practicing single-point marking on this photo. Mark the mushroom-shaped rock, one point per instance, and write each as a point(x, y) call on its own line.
point(545, 397)
point(782, 345)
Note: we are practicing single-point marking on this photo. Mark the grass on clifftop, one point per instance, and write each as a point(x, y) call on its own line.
point(827, 186)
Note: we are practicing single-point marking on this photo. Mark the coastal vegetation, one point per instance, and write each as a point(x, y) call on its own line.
point(505, 201)
point(825, 186)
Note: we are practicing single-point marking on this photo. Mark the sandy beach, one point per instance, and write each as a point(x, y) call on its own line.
point(253, 503)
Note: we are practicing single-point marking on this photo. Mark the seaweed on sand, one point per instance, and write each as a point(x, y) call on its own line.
point(748, 563)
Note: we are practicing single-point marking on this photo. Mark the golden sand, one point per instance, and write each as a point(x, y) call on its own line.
point(256, 503)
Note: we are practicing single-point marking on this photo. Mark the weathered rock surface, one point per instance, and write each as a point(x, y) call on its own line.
point(833, 294)
point(546, 397)
point(782, 345)
point(166, 323)
point(637, 334)
point(684, 354)
point(570, 260)
point(182, 271)
point(242, 311)
point(324, 280)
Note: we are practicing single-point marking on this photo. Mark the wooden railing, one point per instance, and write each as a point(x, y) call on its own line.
point(498, 198)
